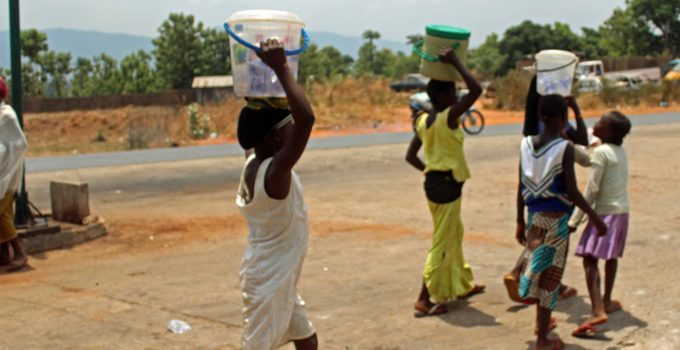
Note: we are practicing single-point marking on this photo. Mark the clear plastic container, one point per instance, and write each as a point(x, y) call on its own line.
point(555, 72)
point(252, 78)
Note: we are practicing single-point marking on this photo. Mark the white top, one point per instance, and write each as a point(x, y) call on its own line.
point(273, 311)
point(607, 189)
point(542, 174)
point(12, 150)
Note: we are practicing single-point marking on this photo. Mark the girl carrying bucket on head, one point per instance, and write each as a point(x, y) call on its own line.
point(271, 200)
point(547, 187)
point(607, 190)
point(446, 275)
point(578, 136)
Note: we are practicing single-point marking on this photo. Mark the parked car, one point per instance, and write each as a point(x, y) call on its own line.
point(410, 82)
point(626, 82)
point(589, 84)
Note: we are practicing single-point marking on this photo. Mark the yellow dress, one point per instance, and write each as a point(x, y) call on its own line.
point(446, 274)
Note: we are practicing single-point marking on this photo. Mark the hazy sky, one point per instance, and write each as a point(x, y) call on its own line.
point(393, 19)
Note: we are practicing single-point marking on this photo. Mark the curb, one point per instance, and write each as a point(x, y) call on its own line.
point(68, 237)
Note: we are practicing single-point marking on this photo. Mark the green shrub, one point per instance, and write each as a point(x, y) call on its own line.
point(199, 125)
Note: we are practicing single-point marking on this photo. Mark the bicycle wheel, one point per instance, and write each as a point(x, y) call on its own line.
point(473, 122)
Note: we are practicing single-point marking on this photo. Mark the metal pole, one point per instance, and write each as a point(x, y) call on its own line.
point(23, 214)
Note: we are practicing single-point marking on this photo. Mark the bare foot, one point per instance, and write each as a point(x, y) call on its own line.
point(567, 292)
point(612, 306)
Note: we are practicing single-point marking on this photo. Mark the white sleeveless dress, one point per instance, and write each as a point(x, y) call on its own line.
point(273, 312)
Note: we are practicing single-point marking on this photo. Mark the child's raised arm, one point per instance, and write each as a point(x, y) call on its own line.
point(580, 135)
point(448, 56)
point(279, 175)
point(573, 192)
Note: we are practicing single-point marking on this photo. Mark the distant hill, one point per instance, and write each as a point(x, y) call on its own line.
point(82, 43)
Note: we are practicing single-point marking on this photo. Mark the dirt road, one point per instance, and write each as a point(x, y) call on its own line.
point(176, 241)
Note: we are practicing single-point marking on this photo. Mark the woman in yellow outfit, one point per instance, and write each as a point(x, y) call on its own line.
point(446, 275)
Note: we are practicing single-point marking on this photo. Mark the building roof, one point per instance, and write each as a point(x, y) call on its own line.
point(212, 81)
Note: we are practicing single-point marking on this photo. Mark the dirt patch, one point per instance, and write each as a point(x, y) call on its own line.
point(343, 111)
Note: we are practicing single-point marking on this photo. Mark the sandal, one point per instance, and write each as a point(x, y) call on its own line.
point(434, 310)
point(588, 330)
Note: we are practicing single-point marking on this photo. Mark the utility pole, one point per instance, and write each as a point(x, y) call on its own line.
point(22, 216)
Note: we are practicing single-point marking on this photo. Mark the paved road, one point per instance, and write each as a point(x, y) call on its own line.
point(48, 164)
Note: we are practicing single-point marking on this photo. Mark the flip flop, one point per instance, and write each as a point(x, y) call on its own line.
point(435, 310)
point(614, 307)
point(477, 289)
point(588, 330)
point(512, 287)
point(551, 326)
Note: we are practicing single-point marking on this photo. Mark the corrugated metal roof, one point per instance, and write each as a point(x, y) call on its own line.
point(212, 81)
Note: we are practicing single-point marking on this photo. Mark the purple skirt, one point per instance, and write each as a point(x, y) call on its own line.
point(609, 246)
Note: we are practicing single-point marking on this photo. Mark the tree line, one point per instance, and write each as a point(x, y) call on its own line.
point(185, 48)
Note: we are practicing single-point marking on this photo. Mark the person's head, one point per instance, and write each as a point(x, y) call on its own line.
point(4, 90)
point(552, 110)
point(442, 93)
point(264, 129)
point(612, 128)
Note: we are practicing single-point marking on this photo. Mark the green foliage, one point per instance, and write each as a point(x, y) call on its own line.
point(81, 81)
point(58, 67)
point(664, 16)
point(624, 34)
point(403, 64)
point(185, 49)
point(215, 52)
point(199, 125)
point(487, 59)
point(591, 46)
point(528, 38)
point(33, 42)
point(106, 78)
point(366, 63)
point(137, 73)
point(323, 64)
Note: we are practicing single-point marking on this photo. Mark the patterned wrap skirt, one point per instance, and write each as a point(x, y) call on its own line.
point(546, 249)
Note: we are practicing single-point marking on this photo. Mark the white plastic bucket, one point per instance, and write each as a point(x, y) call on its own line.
point(253, 78)
point(555, 72)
